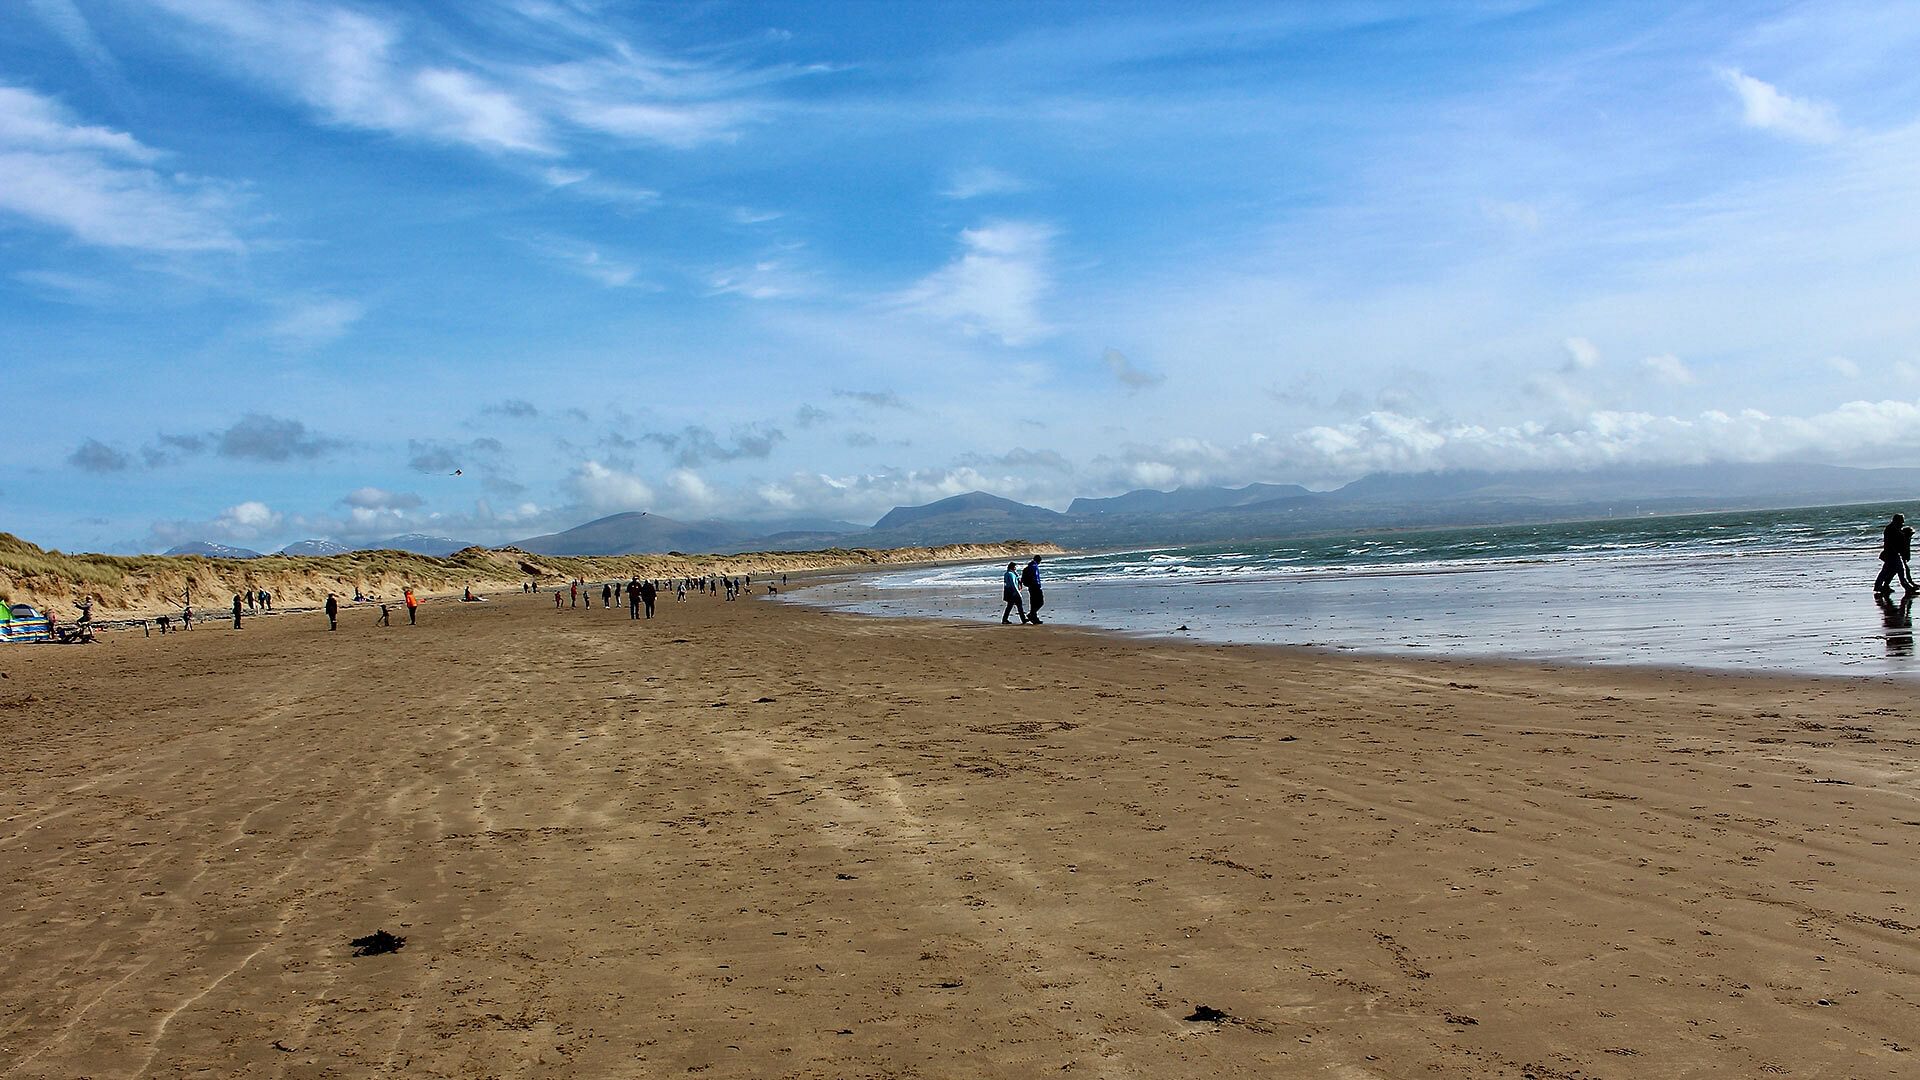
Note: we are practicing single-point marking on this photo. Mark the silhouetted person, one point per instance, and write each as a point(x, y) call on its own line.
point(236, 611)
point(1030, 577)
point(648, 594)
point(606, 595)
point(1010, 592)
point(633, 598)
point(1896, 547)
point(333, 612)
point(1898, 619)
point(386, 616)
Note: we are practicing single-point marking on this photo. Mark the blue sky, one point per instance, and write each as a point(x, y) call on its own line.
point(272, 269)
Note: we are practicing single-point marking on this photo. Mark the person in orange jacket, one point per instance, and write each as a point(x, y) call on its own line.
point(413, 607)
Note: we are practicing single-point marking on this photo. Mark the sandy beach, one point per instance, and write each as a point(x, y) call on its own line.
point(754, 839)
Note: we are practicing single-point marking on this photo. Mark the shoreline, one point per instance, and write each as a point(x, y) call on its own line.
point(1795, 613)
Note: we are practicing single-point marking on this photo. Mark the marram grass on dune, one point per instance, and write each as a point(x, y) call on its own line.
point(138, 585)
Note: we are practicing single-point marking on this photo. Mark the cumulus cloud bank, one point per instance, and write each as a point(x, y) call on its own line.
point(1326, 455)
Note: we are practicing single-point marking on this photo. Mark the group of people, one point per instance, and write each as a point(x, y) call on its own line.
point(635, 590)
point(1013, 580)
point(386, 612)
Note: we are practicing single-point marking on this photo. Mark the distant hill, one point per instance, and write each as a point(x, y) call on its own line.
point(418, 544)
point(315, 547)
point(1186, 499)
point(626, 534)
point(974, 506)
point(212, 551)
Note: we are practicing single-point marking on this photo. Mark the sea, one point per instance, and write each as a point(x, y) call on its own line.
point(1763, 591)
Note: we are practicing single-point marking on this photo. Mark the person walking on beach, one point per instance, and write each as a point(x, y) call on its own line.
point(413, 606)
point(573, 593)
point(236, 611)
point(1030, 577)
point(1010, 592)
point(333, 612)
point(648, 594)
point(633, 598)
point(386, 616)
point(606, 596)
point(1896, 548)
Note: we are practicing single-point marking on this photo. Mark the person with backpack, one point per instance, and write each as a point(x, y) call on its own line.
point(1030, 577)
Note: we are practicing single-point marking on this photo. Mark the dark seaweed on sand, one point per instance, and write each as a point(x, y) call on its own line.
point(376, 943)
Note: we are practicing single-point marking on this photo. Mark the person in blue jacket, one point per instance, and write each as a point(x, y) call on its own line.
point(1010, 592)
point(1030, 577)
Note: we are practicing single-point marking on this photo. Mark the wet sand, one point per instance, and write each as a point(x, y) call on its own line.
point(755, 839)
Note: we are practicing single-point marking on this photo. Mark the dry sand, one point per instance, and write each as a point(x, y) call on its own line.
point(756, 840)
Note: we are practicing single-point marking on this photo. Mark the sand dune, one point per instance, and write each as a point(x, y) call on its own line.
point(756, 840)
point(138, 586)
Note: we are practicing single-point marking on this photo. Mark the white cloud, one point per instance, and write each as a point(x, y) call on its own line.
point(345, 64)
point(373, 498)
point(1669, 370)
point(1766, 108)
point(674, 125)
point(603, 489)
point(315, 322)
point(587, 260)
point(65, 20)
point(767, 279)
point(866, 496)
point(1327, 455)
point(362, 70)
point(690, 490)
point(1582, 355)
point(99, 185)
point(1842, 367)
point(247, 519)
point(982, 180)
point(995, 287)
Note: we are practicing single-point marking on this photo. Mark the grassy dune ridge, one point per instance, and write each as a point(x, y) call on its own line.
point(145, 585)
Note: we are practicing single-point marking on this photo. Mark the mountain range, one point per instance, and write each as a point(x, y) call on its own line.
point(1203, 514)
point(414, 543)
